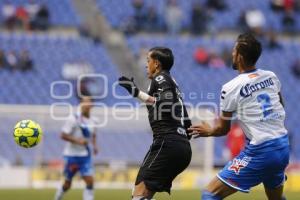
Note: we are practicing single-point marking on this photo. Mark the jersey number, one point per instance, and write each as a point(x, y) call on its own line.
point(266, 106)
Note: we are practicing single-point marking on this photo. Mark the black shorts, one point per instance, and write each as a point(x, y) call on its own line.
point(168, 156)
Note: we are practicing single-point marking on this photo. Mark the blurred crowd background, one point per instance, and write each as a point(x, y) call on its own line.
point(59, 40)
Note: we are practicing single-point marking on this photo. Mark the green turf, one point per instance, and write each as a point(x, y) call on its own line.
point(125, 195)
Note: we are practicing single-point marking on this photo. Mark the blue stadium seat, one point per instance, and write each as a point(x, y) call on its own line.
point(221, 20)
point(49, 54)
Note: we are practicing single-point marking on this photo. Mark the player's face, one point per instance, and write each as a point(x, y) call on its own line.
point(234, 58)
point(86, 105)
point(151, 66)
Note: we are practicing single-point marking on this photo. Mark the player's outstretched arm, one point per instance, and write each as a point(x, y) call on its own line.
point(132, 89)
point(221, 128)
point(74, 140)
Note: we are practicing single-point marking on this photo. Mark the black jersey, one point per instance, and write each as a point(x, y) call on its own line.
point(168, 114)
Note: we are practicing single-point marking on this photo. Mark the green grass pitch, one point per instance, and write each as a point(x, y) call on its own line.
point(47, 194)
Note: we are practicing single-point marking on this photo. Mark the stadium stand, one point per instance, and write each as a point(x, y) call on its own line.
point(227, 19)
point(49, 53)
point(62, 13)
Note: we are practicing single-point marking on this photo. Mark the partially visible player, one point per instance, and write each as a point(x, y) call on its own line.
point(254, 96)
point(78, 132)
point(170, 152)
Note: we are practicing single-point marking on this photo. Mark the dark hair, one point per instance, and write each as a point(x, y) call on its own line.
point(249, 47)
point(164, 56)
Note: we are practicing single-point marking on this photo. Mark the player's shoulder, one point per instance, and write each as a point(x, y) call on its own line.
point(245, 77)
point(233, 83)
point(94, 120)
point(162, 76)
point(163, 79)
point(72, 119)
point(70, 123)
point(267, 73)
point(264, 72)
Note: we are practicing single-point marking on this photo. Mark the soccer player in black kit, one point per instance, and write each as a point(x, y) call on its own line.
point(170, 152)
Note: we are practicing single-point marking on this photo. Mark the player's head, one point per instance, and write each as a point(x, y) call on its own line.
point(85, 105)
point(246, 52)
point(159, 58)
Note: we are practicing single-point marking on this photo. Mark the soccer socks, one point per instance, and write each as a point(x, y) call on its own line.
point(59, 194)
point(88, 194)
point(206, 195)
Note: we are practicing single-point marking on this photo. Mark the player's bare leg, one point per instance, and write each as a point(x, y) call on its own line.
point(88, 193)
point(141, 192)
point(275, 194)
point(60, 191)
point(217, 190)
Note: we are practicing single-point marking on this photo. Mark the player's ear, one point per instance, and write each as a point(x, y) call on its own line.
point(157, 64)
point(240, 58)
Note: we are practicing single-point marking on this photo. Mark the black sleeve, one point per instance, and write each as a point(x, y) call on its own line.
point(187, 122)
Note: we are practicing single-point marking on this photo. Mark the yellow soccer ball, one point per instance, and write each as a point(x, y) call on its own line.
point(27, 133)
